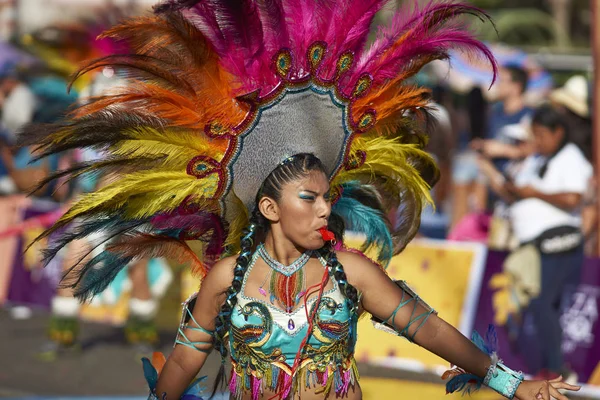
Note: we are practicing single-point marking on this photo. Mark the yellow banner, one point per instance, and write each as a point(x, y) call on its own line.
point(447, 276)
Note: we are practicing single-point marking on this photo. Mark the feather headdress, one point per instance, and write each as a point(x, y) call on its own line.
point(224, 90)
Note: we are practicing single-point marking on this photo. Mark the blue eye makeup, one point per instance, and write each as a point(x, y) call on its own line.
point(305, 196)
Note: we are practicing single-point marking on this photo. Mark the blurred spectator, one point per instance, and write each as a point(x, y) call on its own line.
point(466, 180)
point(23, 100)
point(545, 196)
point(573, 101)
point(434, 223)
point(510, 108)
point(18, 104)
point(508, 111)
point(499, 146)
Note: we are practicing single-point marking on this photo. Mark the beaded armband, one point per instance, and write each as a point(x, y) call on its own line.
point(188, 322)
point(409, 297)
point(503, 380)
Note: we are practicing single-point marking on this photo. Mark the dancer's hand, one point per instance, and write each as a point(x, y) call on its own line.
point(542, 390)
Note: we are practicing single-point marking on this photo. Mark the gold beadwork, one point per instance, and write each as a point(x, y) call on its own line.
point(345, 63)
point(316, 52)
point(283, 63)
point(362, 85)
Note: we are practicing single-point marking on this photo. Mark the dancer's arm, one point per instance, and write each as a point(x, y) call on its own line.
point(185, 362)
point(381, 297)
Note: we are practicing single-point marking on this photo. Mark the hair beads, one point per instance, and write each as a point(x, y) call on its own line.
point(224, 318)
point(339, 275)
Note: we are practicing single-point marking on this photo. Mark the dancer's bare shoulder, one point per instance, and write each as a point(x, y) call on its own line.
point(221, 273)
point(358, 266)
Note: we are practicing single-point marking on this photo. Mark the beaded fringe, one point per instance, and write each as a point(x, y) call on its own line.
point(333, 378)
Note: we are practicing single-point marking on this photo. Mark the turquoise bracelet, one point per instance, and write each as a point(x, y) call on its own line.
point(503, 380)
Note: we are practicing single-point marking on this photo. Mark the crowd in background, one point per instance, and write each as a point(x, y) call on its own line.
point(520, 178)
point(474, 131)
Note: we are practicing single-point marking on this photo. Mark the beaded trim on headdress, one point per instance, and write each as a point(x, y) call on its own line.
point(221, 92)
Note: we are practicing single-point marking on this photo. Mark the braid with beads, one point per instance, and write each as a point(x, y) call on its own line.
point(337, 226)
point(255, 229)
point(337, 270)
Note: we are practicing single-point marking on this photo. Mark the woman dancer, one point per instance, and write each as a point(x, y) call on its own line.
point(270, 121)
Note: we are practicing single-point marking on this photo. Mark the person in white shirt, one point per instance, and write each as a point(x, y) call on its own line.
point(18, 104)
point(546, 198)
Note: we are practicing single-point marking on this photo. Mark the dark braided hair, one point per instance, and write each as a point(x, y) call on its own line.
point(223, 320)
point(291, 169)
point(339, 275)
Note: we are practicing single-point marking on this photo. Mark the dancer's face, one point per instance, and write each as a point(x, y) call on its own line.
point(303, 208)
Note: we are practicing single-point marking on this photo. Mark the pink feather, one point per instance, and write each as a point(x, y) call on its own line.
point(429, 31)
point(193, 224)
point(307, 20)
point(275, 30)
point(203, 17)
point(348, 29)
point(346, 382)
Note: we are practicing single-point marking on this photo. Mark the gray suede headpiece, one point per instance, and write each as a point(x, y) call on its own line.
point(308, 120)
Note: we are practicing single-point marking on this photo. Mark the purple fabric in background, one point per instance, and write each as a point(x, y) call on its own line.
point(579, 318)
point(35, 287)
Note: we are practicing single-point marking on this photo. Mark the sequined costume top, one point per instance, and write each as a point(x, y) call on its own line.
point(264, 341)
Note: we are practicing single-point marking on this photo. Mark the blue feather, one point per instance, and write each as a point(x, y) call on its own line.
point(469, 383)
point(96, 274)
point(196, 390)
point(366, 220)
point(466, 383)
point(479, 342)
point(491, 339)
point(489, 344)
point(110, 226)
point(150, 373)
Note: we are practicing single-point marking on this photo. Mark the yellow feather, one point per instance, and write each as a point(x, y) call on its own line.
point(237, 216)
point(392, 159)
point(188, 139)
point(172, 142)
point(175, 157)
point(155, 192)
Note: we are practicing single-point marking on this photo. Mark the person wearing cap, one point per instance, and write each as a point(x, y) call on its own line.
point(573, 101)
point(573, 96)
